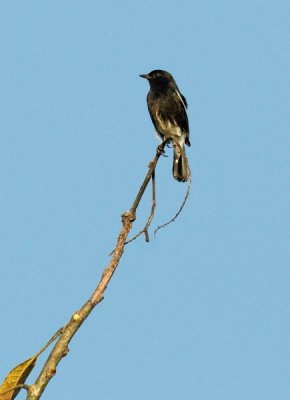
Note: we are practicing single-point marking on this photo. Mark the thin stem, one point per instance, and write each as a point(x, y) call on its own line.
point(151, 215)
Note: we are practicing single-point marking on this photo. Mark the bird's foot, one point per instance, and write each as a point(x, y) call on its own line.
point(161, 151)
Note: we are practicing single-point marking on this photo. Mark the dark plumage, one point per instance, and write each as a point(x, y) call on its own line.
point(167, 108)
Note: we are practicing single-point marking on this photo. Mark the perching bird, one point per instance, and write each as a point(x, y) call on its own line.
point(167, 108)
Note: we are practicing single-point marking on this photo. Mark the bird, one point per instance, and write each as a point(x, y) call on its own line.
point(167, 109)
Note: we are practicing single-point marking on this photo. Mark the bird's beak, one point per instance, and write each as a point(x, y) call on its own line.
point(146, 76)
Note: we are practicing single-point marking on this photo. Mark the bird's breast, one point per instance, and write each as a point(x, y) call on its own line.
point(166, 127)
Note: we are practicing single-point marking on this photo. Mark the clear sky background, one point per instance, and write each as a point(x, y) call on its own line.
point(202, 311)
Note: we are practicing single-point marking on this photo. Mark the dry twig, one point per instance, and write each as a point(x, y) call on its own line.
point(151, 215)
point(185, 198)
point(69, 330)
point(179, 211)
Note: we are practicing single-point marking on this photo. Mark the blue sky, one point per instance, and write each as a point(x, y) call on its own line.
point(202, 311)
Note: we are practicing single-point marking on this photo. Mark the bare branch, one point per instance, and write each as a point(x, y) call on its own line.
point(60, 349)
point(151, 215)
point(153, 206)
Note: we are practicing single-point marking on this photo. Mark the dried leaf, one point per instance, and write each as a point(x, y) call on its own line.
point(16, 377)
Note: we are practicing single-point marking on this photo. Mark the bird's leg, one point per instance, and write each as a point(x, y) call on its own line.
point(160, 148)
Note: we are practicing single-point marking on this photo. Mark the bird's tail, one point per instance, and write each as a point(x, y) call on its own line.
point(180, 169)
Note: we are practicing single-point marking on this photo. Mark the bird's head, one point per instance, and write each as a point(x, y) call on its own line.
point(159, 79)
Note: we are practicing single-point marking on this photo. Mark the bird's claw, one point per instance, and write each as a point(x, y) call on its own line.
point(161, 151)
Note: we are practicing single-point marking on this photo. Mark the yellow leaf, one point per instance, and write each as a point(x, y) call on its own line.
point(16, 377)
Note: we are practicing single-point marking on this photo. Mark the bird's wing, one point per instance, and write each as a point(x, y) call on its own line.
point(176, 111)
point(181, 97)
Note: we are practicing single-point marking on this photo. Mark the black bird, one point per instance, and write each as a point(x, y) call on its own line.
point(167, 108)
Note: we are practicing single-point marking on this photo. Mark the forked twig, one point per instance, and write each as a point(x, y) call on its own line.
point(151, 215)
point(69, 330)
point(55, 336)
